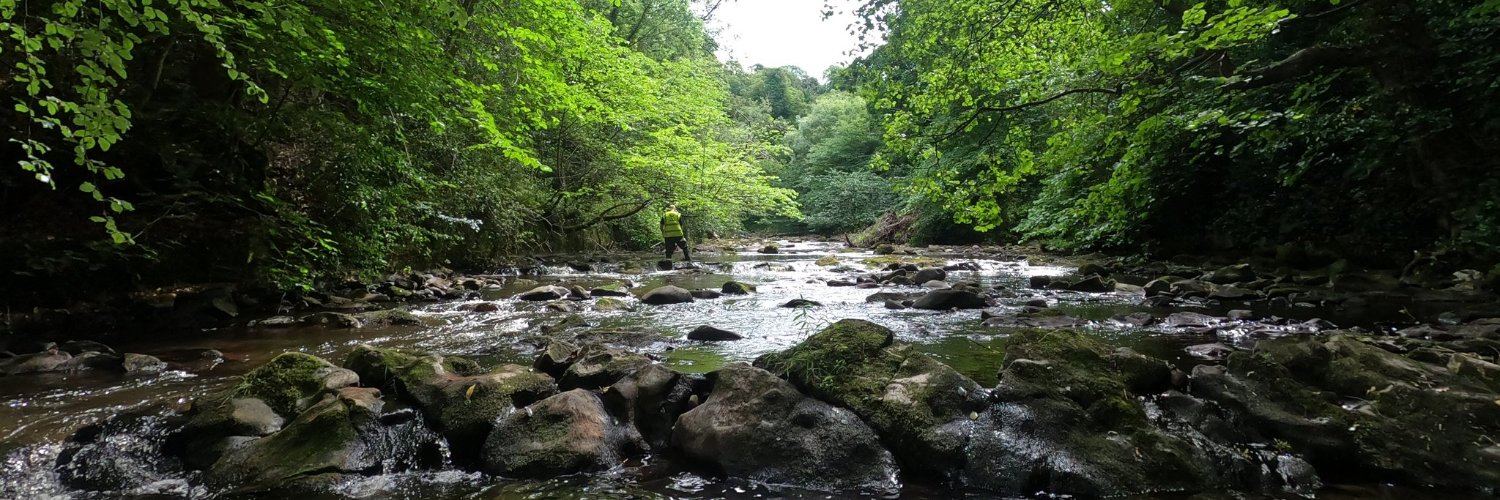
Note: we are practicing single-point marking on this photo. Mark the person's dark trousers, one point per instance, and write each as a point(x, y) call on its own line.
point(673, 242)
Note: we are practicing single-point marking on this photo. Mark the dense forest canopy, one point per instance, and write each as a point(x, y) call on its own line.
point(284, 142)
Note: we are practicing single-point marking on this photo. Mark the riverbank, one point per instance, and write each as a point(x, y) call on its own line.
point(1213, 316)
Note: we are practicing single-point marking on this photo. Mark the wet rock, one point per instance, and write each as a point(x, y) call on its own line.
point(1214, 351)
point(888, 296)
point(611, 290)
point(795, 303)
point(1233, 294)
point(1091, 284)
point(1157, 287)
point(556, 358)
point(611, 304)
point(1230, 274)
point(667, 295)
point(650, 400)
point(331, 320)
point(1038, 303)
point(710, 333)
point(214, 420)
point(565, 308)
point(895, 305)
point(486, 307)
point(334, 435)
point(564, 434)
point(1190, 320)
point(1074, 403)
point(544, 293)
point(1291, 389)
point(292, 381)
point(402, 317)
point(936, 285)
point(769, 249)
point(706, 294)
point(135, 364)
point(919, 406)
point(827, 260)
point(41, 362)
point(757, 426)
point(275, 322)
point(736, 288)
point(885, 249)
point(91, 360)
point(950, 299)
point(1040, 282)
point(1190, 288)
point(599, 366)
point(929, 274)
point(1135, 319)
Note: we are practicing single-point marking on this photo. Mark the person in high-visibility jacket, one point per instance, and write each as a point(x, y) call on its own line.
point(671, 232)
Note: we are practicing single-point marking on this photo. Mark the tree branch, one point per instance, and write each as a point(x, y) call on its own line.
point(606, 216)
point(1301, 63)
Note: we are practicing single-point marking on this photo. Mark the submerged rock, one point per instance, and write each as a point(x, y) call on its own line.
point(796, 303)
point(567, 433)
point(543, 293)
point(710, 333)
point(757, 426)
point(951, 299)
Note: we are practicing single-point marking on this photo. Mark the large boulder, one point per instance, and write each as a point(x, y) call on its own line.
point(567, 433)
point(342, 433)
point(929, 274)
point(918, 405)
point(293, 381)
point(458, 398)
point(41, 362)
point(1295, 389)
point(1075, 403)
point(757, 426)
point(951, 299)
point(599, 366)
point(667, 295)
point(650, 400)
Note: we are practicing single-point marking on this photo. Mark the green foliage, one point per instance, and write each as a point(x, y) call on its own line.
point(1194, 125)
point(319, 138)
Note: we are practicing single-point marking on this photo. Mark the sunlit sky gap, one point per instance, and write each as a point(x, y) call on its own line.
point(786, 32)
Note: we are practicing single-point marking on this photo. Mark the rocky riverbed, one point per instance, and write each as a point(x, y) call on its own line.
point(811, 371)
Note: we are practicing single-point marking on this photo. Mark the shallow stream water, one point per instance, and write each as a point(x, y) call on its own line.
point(38, 412)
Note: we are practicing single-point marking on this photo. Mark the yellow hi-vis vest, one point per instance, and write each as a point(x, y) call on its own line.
point(670, 227)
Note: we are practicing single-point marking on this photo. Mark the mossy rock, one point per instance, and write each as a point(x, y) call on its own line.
point(459, 399)
point(567, 433)
point(737, 288)
point(1075, 401)
point(906, 396)
point(327, 437)
point(599, 366)
point(291, 381)
point(611, 304)
point(826, 261)
point(1293, 389)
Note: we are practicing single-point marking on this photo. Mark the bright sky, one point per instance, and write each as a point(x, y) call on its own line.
point(786, 32)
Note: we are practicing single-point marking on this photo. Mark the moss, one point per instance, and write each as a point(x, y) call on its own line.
point(284, 381)
point(827, 261)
